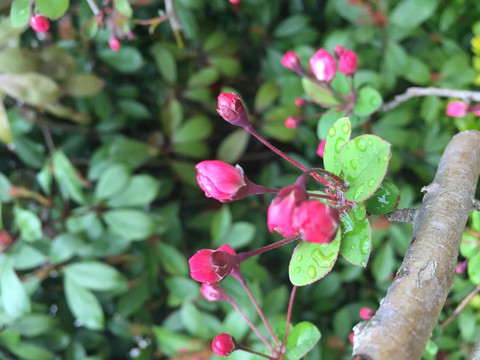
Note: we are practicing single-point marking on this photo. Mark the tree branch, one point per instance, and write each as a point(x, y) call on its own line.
point(418, 91)
point(404, 322)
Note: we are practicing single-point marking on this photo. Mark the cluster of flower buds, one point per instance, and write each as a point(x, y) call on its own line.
point(39, 23)
point(460, 109)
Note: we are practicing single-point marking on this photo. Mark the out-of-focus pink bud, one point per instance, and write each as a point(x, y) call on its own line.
point(235, 2)
point(214, 293)
point(224, 344)
point(220, 180)
point(210, 266)
point(39, 23)
point(114, 43)
point(461, 267)
point(348, 62)
point(350, 337)
point(366, 313)
point(281, 210)
point(291, 61)
point(323, 65)
point(456, 109)
point(338, 50)
point(321, 148)
point(292, 122)
point(231, 109)
point(317, 222)
point(300, 102)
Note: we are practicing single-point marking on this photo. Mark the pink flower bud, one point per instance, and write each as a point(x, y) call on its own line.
point(224, 344)
point(350, 337)
point(456, 109)
point(281, 210)
point(476, 110)
point(348, 62)
point(321, 148)
point(291, 61)
point(338, 50)
point(323, 65)
point(39, 23)
point(461, 267)
point(318, 222)
point(114, 43)
point(292, 122)
point(366, 313)
point(219, 179)
point(300, 102)
point(210, 266)
point(235, 2)
point(214, 293)
point(231, 109)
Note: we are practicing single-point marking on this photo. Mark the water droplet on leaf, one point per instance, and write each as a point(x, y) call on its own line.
point(338, 144)
point(353, 164)
point(297, 269)
point(361, 144)
point(371, 182)
point(300, 257)
point(370, 142)
point(346, 128)
point(358, 193)
point(311, 272)
point(332, 131)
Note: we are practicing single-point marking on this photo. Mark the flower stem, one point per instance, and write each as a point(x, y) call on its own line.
point(240, 347)
point(289, 313)
point(247, 255)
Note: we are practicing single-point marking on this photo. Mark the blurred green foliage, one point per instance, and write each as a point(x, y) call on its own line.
point(98, 187)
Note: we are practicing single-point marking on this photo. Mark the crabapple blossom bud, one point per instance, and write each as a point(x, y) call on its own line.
point(300, 102)
point(214, 293)
point(231, 109)
point(281, 210)
point(456, 109)
point(224, 344)
point(291, 61)
point(348, 62)
point(235, 2)
point(219, 179)
point(366, 313)
point(321, 148)
point(350, 337)
point(323, 65)
point(114, 43)
point(317, 222)
point(338, 50)
point(461, 267)
point(39, 23)
point(210, 266)
point(292, 122)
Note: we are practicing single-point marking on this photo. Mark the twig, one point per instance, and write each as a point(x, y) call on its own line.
point(401, 215)
point(174, 22)
point(476, 205)
point(475, 354)
point(418, 91)
point(460, 307)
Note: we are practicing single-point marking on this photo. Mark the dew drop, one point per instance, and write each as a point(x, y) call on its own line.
point(352, 247)
point(311, 272)
point(332, 131)
point(385, 158)
point(361, 144)
point(300, 257)
point(357, 194)
point(345, 165)
point(371, 182)
point(339, 143)
point(370, 142)
point(346, 128)
point(365, 246)
point(297, 269)
point(353, 164)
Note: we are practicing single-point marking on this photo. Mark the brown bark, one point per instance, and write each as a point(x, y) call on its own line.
point(407, 315)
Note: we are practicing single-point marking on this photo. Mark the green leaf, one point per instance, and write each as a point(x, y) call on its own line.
point(239, 234)
point(203, 78)
point(140, 191)
point(54, 9)
point(383, 263)
point(170, 342)
point(172, 260)
point(310, 262)
point(130, 224)
point(266, 96)
point(337, 136)
point(418, 73)
point(233, 146)
point(319, 94)
point(368, 101)
point(32, 88)
point(384, 200)
point(221, 224)
point(126, 60)
point(63, 247)
point(33, 325)
point(227, 66)
point(29, 151)
point(291, 26)
point(124, 8)
point(165, 61)
point(194, 129)
point(28, 351)
point(301, 339)
point(133, 299)
point(29, 224)
point(410, 13)
point(82, 85)
point(364, 162)
point(133, 109)
point(112, 181)
point(94, 275)
point(356, 240)
point(66, 176)
point(24, 256)
point(194, 321)
point(20, 13)
point(84, 305)
point(474, 269)
point(14, 298)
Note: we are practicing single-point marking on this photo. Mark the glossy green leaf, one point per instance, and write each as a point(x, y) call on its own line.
point(24, 256)
point(319, 94)
point(165, 60)
point(172, 260)
point(410, 13)
point(384, 200)
point(337, 136)
point(29, 224)
point(133, 300)
point(194, 129)
point(29, 351)
point(474, 269)
point(418, 73)
point(368, 101)
point(66, 176)
point(130, 224)
point(53, 9)
point(383, 264)
point(81, 85)
point(20, 13)
point(94, 275)
point(266, 96)
point(203, 78)
point(171, 343)
point(194, 321)
point(310, 261)
point(32, 88)
point(14, 298)
point(364, 162)
point(233, 146)
point(140, 191)
point(127, 59)
point(240, 234)
point(64, 246)
point(134, 109)
point(301, 339)
point(112, 181)
point(29, 151)
point(84, 305)
point(33, 325)
point(356, 243)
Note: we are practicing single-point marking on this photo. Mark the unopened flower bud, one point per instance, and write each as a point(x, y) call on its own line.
point(210, 266)
point(39, 23)
point(224, 344)
point(231, 109)
point(317, 222)
point(351, 337)
point(114, 43)
point(338, 50)
point(461, 267)
point(213, 293)
point(323, 65)
point(292, 122)
point(300, 102)
point(456, 109)
point(219, 179)
point(291, 61)
point(348, 62)
point(321, 148)
point(366, 313)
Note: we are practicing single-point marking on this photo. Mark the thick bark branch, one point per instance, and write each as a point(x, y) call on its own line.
point(403, 324)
